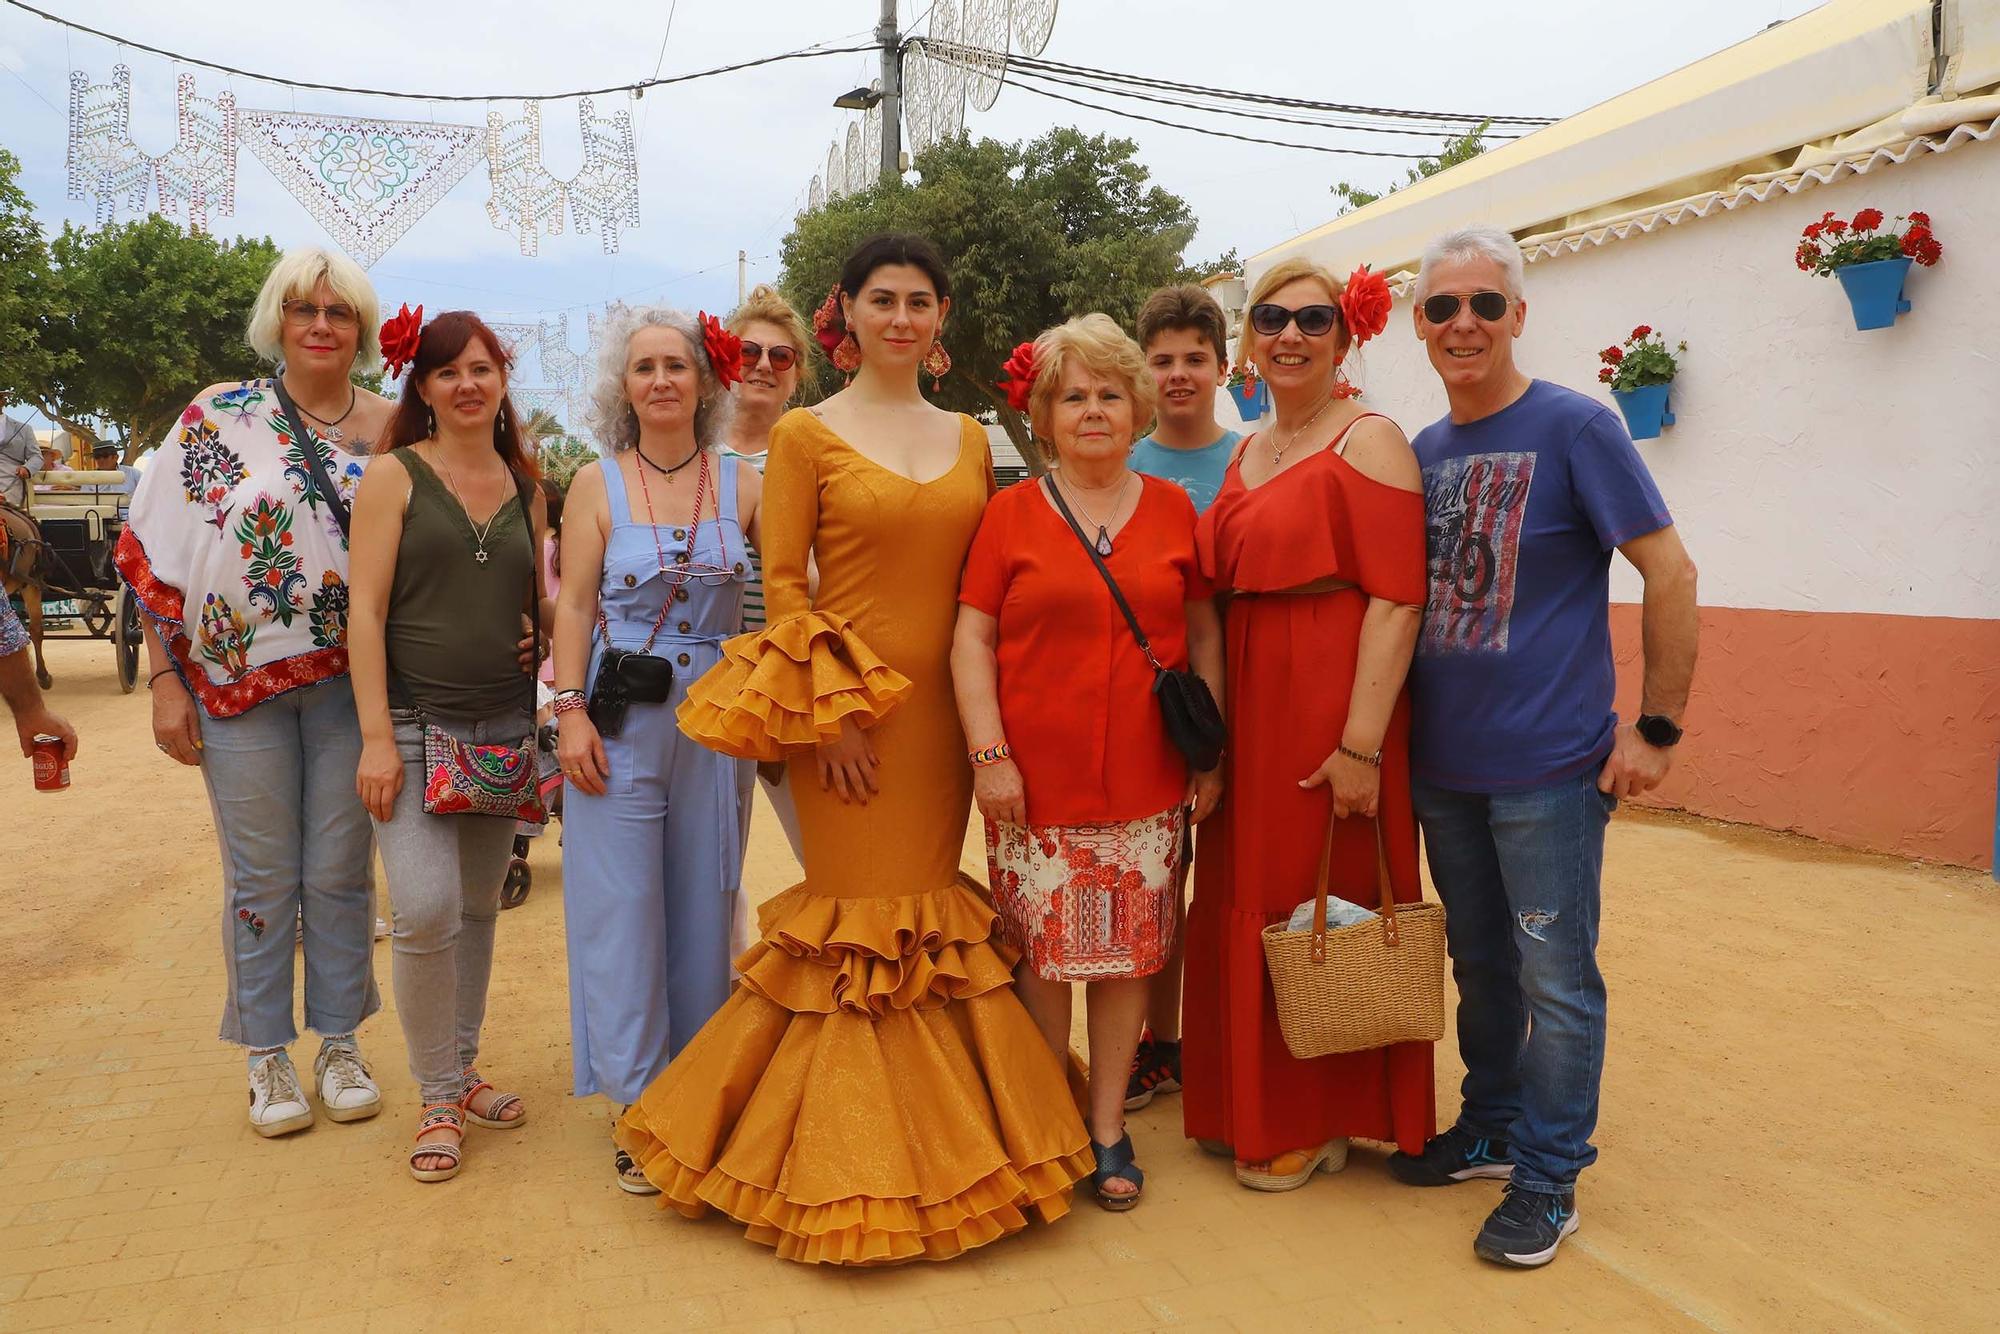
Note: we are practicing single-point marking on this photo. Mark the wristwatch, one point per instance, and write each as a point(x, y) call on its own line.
point(1656, 729)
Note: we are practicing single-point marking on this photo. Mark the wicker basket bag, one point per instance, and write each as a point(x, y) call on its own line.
point(1356, 988)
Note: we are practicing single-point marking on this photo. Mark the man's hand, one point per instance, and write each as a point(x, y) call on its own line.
point(1635, 765)
point(38, 721)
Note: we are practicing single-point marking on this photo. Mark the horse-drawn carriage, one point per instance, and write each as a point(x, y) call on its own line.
point(62, 554)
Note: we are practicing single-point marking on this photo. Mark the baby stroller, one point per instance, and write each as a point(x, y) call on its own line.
point(549, 779)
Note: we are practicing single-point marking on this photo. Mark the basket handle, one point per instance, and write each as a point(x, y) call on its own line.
point(1390, 935)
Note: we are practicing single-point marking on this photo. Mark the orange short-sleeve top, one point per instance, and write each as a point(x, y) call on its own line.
point(1076, 694)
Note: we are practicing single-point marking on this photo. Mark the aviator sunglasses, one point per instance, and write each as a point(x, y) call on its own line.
point(1270, 319)
point(1443, 307)
point(783, 357)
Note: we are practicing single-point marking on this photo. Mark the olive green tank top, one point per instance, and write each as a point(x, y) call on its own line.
point(454, 625)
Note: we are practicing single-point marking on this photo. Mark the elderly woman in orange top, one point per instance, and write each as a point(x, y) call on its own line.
point(1084, 794)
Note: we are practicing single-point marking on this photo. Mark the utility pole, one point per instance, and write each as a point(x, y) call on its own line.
point(892, 92)
point(741, 258)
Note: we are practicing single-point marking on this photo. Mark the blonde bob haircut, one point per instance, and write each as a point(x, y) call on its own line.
point(1289, 271)
point(1096, 343)
point(294, 277)
point(765, 305)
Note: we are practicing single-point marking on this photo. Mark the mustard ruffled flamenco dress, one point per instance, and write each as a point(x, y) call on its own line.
point(872, 1091)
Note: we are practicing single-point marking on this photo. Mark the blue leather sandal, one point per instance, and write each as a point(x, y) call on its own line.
point(1116, 1163)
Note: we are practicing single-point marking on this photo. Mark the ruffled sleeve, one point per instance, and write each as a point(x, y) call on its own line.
point(1385, 534)
point(788, 686)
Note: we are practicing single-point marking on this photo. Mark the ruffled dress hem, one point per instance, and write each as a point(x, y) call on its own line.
point(788, 686)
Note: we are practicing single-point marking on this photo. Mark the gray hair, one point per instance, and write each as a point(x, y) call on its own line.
point(1480, 241)
point(611, 415)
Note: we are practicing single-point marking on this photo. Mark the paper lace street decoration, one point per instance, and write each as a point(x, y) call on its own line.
point(365, 181)
point(528, 199)
point(198, 173)
point(519, 340)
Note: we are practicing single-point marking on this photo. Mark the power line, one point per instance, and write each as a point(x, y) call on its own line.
point(641, 86)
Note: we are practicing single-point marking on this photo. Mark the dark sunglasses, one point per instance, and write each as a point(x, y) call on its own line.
point(1443, 307)
point(1269, 319)
point(783, 358)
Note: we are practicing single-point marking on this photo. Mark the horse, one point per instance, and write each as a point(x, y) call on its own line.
point(21, 574)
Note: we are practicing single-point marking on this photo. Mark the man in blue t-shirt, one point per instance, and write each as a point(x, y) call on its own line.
point(1184, 336)
point(1517, 757)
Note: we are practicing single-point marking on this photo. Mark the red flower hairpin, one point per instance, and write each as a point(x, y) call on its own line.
point(725, 349)
point(400, 334)
point(1365, 304)
point(828, 326)
point(1020, 381)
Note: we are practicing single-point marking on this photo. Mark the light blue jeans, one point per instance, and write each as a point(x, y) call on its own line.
point(295, 847)
point(1519, 874)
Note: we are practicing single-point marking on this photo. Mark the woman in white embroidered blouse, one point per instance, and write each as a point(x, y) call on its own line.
point(238, 553)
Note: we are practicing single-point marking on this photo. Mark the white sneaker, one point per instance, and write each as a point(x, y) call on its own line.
point(277, 1103)
point(346, 1086)
point(381, 929)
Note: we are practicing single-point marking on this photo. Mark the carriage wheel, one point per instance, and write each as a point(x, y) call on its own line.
point(97, 618)
point(514, 892)
point(127, 639)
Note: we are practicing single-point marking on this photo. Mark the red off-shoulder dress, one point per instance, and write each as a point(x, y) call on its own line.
point(1290, 673)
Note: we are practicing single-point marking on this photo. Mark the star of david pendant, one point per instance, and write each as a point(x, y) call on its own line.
point(479, 556)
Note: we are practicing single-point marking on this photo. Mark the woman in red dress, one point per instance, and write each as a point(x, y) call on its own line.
point(1317, 538)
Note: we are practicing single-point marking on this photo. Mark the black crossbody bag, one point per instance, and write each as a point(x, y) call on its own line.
point(1194, 723)
point(322, 473)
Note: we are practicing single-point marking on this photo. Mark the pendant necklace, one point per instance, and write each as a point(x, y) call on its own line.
point(1278, 455)
point(331, 429)
point(1103, 543)
point(479, 534)
point(669, 472)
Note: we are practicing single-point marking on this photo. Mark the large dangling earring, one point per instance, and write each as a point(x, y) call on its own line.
point(938, 362)
point(847, 354)
point(1342, 386)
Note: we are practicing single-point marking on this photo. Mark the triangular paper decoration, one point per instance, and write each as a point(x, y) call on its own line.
point(365, 181)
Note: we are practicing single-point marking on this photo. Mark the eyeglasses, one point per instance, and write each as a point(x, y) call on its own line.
point(1443, 308)
point(304, 314)
point(1269, 319)
point(783, 358)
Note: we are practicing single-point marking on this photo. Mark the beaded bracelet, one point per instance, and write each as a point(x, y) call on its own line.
point(566, 700)
point(1374, 761)
point(991, 755)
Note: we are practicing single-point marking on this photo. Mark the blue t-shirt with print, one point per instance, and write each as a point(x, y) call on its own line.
point(1196, 471)
point(1512, 683)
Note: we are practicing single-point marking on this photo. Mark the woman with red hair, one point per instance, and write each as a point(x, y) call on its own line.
point(447, 527)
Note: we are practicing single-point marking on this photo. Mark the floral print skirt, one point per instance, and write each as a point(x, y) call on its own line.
point(1089, 901)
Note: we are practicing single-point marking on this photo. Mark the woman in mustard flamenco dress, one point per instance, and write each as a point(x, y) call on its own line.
point(873, 1091)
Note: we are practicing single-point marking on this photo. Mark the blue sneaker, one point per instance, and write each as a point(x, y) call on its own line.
point(1456, 1155)
point(1527, 1227)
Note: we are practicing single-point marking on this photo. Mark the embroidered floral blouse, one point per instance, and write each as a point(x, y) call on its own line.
point(233, 551)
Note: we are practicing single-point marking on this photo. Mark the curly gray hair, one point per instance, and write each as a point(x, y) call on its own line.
point(611, 416)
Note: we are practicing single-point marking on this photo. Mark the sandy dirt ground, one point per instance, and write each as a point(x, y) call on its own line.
point(1801, 1100)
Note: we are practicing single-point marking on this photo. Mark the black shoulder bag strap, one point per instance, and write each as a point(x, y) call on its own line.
point(523, 491)
point(322, 473)
point(1090, 549)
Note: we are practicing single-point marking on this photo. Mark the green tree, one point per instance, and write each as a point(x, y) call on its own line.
point(1462, 149)
point(541, 425)
point(1061, 225)
point(136, 317)
point(24, 280)
point(561, 455)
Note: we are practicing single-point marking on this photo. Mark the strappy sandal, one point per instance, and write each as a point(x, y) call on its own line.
point(438, 1116)
point(501, 1102)
point(1116, 1163)
point(632, 1177)
point(1328, 1157)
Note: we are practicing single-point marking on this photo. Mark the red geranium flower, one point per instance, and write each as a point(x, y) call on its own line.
point(1614, 355)
point(1868, 219)
point(725, 349)
point(1606, 374)
point(1365, 303)
point(1920, 219)
point(1928, 252)
point(1835, 227)
point(400, 335)
point(1020, 370)
point(1813, 229)
point(1641, 332)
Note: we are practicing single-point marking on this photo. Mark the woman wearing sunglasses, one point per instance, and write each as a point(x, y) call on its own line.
point(1317, 538)
point(774, 343)
point(654, 562)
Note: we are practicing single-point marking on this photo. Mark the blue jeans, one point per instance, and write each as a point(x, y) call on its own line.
point(1519, 874)
point(295, 847)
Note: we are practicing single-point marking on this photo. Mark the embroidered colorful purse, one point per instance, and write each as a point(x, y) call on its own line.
point(469, 779)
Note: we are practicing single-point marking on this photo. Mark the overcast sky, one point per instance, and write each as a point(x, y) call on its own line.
point(724, 163)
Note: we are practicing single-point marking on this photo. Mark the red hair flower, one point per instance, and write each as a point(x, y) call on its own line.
point(1868, 219)
point(1365, 303)
point(1020, 381)
point(1642, 331)
point(725, 349)
point(828, 326)
point(400, 333)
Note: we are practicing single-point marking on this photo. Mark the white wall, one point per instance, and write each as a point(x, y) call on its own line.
point(1813, 467)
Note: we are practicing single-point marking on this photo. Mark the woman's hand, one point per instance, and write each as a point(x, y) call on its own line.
point(379, 777)
point(581, 751)
point(1203, 792)
point(1357, 787)
point(847, 766)
point(176, 720)
point(998, 790)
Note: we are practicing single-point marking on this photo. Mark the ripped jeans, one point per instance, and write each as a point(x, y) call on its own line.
point(1519, 874)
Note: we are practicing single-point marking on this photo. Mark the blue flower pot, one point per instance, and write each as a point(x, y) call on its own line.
point(1251, 400)
point(1875, 290)
point(1645, 410)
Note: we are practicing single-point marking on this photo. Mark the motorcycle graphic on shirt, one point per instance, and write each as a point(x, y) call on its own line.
point(1474, 507)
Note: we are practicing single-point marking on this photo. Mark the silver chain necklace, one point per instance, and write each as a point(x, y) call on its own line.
point(1103, 542)
point(479, 533)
